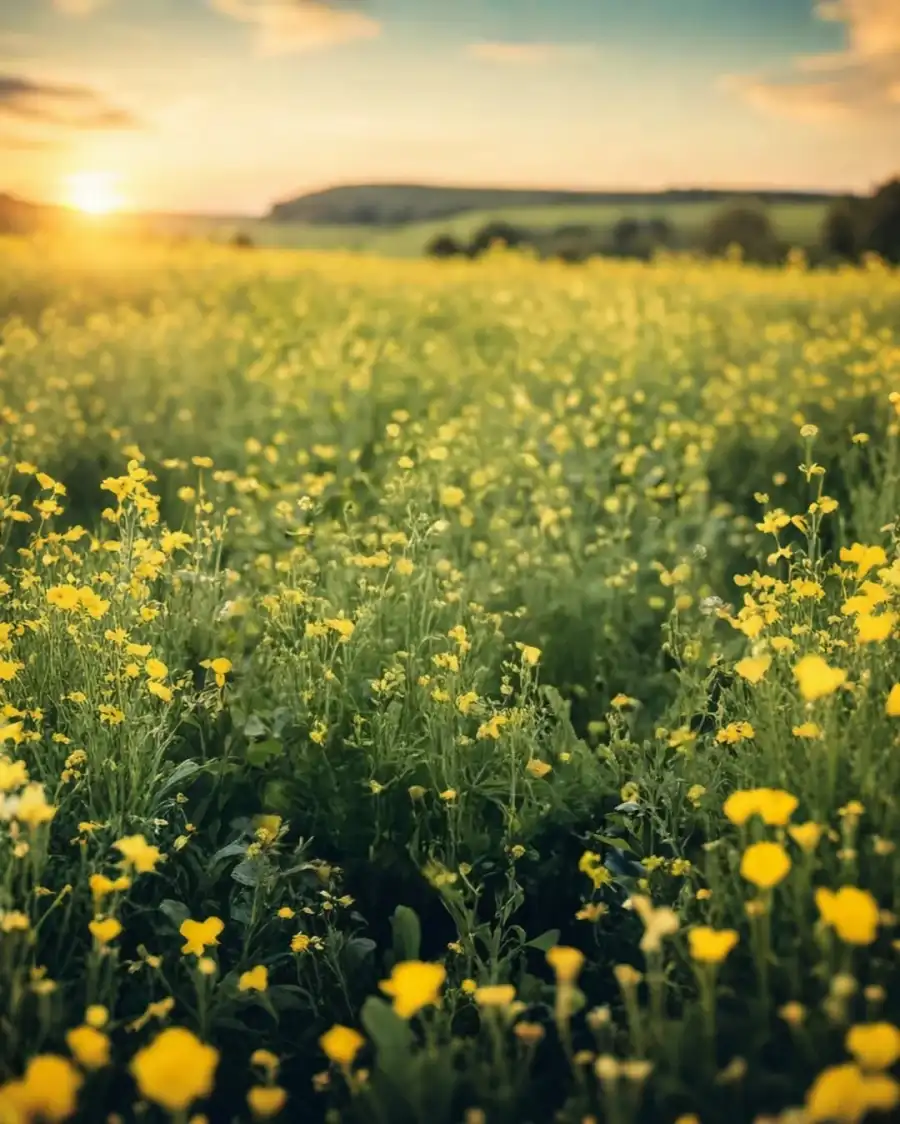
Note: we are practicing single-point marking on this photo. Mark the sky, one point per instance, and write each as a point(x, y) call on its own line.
point(226, 106)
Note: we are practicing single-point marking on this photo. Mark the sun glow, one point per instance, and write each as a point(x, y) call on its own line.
point(93, 193)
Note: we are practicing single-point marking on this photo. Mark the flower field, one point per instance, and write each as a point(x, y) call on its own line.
point(463, 693)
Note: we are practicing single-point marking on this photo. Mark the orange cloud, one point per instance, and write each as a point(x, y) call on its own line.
point(858, 82)
point(78, 7)
point(286, 26)
point(521, 54)
point(59, 104)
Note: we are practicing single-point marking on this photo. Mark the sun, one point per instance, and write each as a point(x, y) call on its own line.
point(93, 193)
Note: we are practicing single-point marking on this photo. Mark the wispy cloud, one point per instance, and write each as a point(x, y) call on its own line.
point(523, 54)
point(288, 26)
point(79, 7)
point(860, 81)
point(59, 104)
point(16, 142)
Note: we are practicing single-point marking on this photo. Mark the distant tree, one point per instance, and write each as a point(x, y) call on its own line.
point(660, 232)
point(498, 233)
point(242, 241)
point(625, 236)
point(746, 227)
point(881, 222)
point(571, 243)
point(842, 228)
point(444, 246)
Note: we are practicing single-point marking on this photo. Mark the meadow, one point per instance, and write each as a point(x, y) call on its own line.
point(462, 692)
point(797, 224)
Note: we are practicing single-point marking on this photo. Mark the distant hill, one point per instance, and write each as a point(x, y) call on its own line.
point(396, 204)
point(17, 216)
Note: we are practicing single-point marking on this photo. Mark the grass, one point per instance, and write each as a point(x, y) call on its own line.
point(796, 223)
point(446, 691)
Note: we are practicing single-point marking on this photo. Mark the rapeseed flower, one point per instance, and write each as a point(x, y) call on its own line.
point(175, 1070)
point(765, 864)
point(200, 935)
point(413, 985)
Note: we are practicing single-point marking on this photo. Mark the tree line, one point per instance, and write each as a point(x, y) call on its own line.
point(852, 227)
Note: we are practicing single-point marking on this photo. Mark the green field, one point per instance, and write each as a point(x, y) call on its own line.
point(447, 693)
point(796, 223)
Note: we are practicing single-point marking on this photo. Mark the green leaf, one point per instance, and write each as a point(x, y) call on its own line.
point(390, 1034)
point(612, 841)
point(249, 872)
point(259, 753)
point(177, 912)
point(407, 932)
point(254, 727)
point(545, 941)
point(179, 775)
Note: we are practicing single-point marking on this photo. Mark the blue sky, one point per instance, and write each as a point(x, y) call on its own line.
point(227, 105)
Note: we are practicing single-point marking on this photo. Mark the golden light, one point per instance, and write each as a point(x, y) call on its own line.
point(93, 193)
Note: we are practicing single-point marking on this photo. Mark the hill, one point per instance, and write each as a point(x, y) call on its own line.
point(17, 216)
point(397, 204)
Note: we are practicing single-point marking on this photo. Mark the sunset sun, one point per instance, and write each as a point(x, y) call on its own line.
point(93, 193)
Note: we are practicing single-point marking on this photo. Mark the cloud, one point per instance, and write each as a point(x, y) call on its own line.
point(522, 54)
point(79, 7)
point(860, 81)
point(15, 142)
point(288, 26)
point(54, 103)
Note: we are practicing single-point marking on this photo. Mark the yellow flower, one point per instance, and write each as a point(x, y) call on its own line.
point(591, 864)
point(63, 596)
point(851, 912)
point(33, 809)
point(806, 835)
point(198, 935)
point(341, 1044)
point(741, 805)
point(658, 922)
point(816, 678)
point(266, 1100)
point(137, 853)
point(266, 1060)
point(9, 669)
point(773, 805)
point(96, 1016)
point(865, 558)
point(807, 730)
point(753, 668)
point(452, 496)
point(892, 705)
point(220, 667)
point(156, 669)
point(101, 886)
point(765, 864)
point(257, 979)
point(88, 1046)
point(874, 1045)
point(175, 1069)
point(160, 690)
point(105, 929)
point(538, 768)
point(871, 629)
point(843, 1094)
point(414, 985)
point(530, 654)
point(47, 1091)
point(566, 962)
point(495, 995)
point(343, 627)
point(13, 774)
point(711, 946)
point(776, 806)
